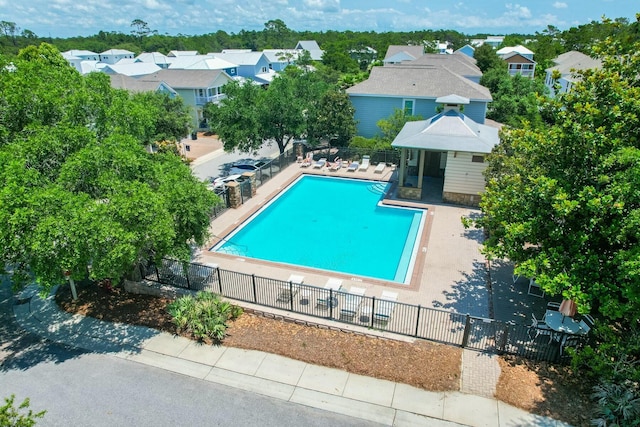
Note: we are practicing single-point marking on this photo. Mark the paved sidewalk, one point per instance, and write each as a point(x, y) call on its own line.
point(371, 399)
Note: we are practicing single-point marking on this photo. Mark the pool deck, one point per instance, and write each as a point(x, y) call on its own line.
point(450, 272)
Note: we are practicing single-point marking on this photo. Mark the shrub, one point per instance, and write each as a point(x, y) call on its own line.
point(204, 316)
point(10, 416)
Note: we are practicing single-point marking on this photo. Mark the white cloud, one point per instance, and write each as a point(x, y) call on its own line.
point(560, 5)
point(517, 11)
point(323, 5)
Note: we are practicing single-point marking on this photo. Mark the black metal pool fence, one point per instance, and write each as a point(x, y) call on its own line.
point(463, 330)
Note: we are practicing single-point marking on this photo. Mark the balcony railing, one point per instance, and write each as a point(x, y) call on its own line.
point(201, 100)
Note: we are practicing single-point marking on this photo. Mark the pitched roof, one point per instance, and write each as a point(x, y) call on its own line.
point(418, 82)
point(515, 57)
point(240, 58)
point(448, 131)
point(185, 79)
point(312, 47)
point(458, 63)
point(131, 69)
point(78, 53)
point(154, 57)
point(176, 53)
point(413, 51)
point(519, 49)
point(116, 52)
point(574, 60)
point(120, 81)
point(276, 55)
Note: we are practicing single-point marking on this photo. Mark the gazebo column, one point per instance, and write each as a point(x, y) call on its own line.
point(403, 166)
point(421, 168)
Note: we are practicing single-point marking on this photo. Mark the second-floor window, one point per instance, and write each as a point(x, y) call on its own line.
point(408, 106)
point(263, 70)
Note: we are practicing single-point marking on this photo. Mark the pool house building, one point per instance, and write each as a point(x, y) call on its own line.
point(449, 146)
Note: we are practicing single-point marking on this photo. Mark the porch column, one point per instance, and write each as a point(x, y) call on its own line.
point(421, 168)
point(403, 163)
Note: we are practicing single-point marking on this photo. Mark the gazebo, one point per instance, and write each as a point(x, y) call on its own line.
point(450, 146)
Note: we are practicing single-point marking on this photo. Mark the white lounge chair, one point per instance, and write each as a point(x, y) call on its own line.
point(307, 161)
point(326, 299)
point(320, 163)
point(385, 305)
point(290, 289)
point(352, 301)
point(353, 166)
point(365, 163)
point(336, 165)
point(379, 167)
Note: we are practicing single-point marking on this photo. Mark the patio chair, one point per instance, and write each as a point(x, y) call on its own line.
point(327, 300)
point(336, 165)
point(384, 307)
point(586, 323)
point(539, 328)
point(288, 290)
point(379, 167)
point(534, 289)
point(352, 301)
point(320, 163)
point(307, 161)
point(365, 163)
point(353, 166)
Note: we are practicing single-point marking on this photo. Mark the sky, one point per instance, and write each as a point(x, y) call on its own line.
point(68, 18)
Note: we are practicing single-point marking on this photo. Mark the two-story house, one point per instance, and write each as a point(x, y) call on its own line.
point(565, 66)
point(112, 56)
point(519, 60)
point(195, 87)
point(251, 65)
point(415, 90)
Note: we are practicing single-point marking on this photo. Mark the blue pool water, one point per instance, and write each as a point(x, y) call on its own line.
point(332, 224)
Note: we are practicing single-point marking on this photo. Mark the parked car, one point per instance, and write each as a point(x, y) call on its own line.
point(248, 165)
point(221, 182)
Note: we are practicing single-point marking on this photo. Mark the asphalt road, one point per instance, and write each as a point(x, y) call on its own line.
point(79, 388)
point(217, 165)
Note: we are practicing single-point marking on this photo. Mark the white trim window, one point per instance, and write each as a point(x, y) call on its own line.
point(408, 106)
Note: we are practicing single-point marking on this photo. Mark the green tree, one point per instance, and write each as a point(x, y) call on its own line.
point(10, 415)
point(487, 58)
point(77, 187)
point(331, 119)
point(391, 127)
point(250, 116)
point(562, 202)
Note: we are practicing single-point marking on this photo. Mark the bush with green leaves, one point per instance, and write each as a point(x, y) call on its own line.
point(11, 416)
point(204, 316)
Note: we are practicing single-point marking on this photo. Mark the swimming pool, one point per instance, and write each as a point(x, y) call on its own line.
point(332, 224)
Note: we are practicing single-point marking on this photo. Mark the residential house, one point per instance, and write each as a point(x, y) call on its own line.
point(566, 65)
point(279, 59)
point(195, 87)
point(82, 60)
point(519, 60)
point(251, 65)
point(120, 81)
point(414, 89)
point(365, 55)
point(157, 58)
point(131, 69)
point(459, 63)
point(399, 53)
point(112, 56)
point(447, 151)
point(467, 49)
point(203, 62)
point(312, 47)
point(179, 53)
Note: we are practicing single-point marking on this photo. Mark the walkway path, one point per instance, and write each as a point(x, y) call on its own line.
point(380, 401)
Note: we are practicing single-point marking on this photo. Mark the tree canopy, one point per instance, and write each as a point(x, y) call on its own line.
point(563, 201)
point(77, 187)
point(297, 104)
